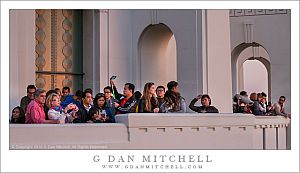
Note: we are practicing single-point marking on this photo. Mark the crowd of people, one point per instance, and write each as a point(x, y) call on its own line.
point(58, 107)
point(257, 104)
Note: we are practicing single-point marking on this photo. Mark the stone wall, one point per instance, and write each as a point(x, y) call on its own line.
point(158, 131)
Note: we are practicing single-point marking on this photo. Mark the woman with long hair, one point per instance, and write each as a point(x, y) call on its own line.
point(18, 116)
point(174, 102)
point(148, 102)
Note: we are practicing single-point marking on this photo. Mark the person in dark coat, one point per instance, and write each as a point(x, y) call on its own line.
point(100, 111)
point(206, 105)
point(127, 102)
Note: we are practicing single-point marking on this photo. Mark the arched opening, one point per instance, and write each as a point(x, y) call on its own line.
point(244, 53)
point(157, 55)
point(253, 82)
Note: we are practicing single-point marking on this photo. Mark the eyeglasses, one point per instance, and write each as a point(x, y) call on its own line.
point(281, 100)
point(160, 90)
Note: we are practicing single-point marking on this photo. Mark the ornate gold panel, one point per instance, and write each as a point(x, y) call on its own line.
point(55, 59)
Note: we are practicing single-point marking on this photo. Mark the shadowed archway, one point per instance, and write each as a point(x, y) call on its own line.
point(242, 53)
point(157, 55)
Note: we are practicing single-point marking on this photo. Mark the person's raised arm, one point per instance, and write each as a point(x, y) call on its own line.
point(115, 91)
point(192, 104)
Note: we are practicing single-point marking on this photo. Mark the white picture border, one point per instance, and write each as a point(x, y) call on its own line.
point(82, 160)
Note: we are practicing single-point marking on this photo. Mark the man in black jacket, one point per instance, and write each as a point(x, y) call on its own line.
point(127, 102)
point(83, 113)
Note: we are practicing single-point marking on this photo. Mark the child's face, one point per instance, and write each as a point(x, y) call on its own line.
point(16, 113)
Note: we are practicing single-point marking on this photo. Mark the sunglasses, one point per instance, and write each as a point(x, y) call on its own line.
point(100, 95)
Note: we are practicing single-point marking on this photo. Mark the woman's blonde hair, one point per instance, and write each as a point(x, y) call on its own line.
point(49, 99)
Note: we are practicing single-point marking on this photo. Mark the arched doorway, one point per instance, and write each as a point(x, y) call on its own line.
point(253, 82)
point(157, 60)
point(246, 52)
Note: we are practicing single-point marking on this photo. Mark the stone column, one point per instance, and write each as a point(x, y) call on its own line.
point(21, 54)
point(217, 58)
point(91, 50)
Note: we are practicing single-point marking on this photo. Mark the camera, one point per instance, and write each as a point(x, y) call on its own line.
point(113, 77)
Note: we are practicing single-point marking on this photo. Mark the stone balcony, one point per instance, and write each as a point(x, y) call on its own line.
point(158, 131)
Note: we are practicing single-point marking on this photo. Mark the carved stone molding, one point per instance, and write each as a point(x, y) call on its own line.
point(255, 12)
point(67, 49)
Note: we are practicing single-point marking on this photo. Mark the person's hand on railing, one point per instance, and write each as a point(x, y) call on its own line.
point(287, 116)
point(156, 110)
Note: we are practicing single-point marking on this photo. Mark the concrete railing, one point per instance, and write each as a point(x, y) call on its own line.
point(67, 136)
point(158, 131)
point(270, 132)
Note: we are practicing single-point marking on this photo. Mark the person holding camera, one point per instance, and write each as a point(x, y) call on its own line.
point(35, 113)
point(127, 102)
point(258, 106)
point(56, 112)
point(206, 105)
point(100, 112)
point(242, 104)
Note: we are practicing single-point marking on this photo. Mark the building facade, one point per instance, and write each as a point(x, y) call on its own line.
point(204, 50)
